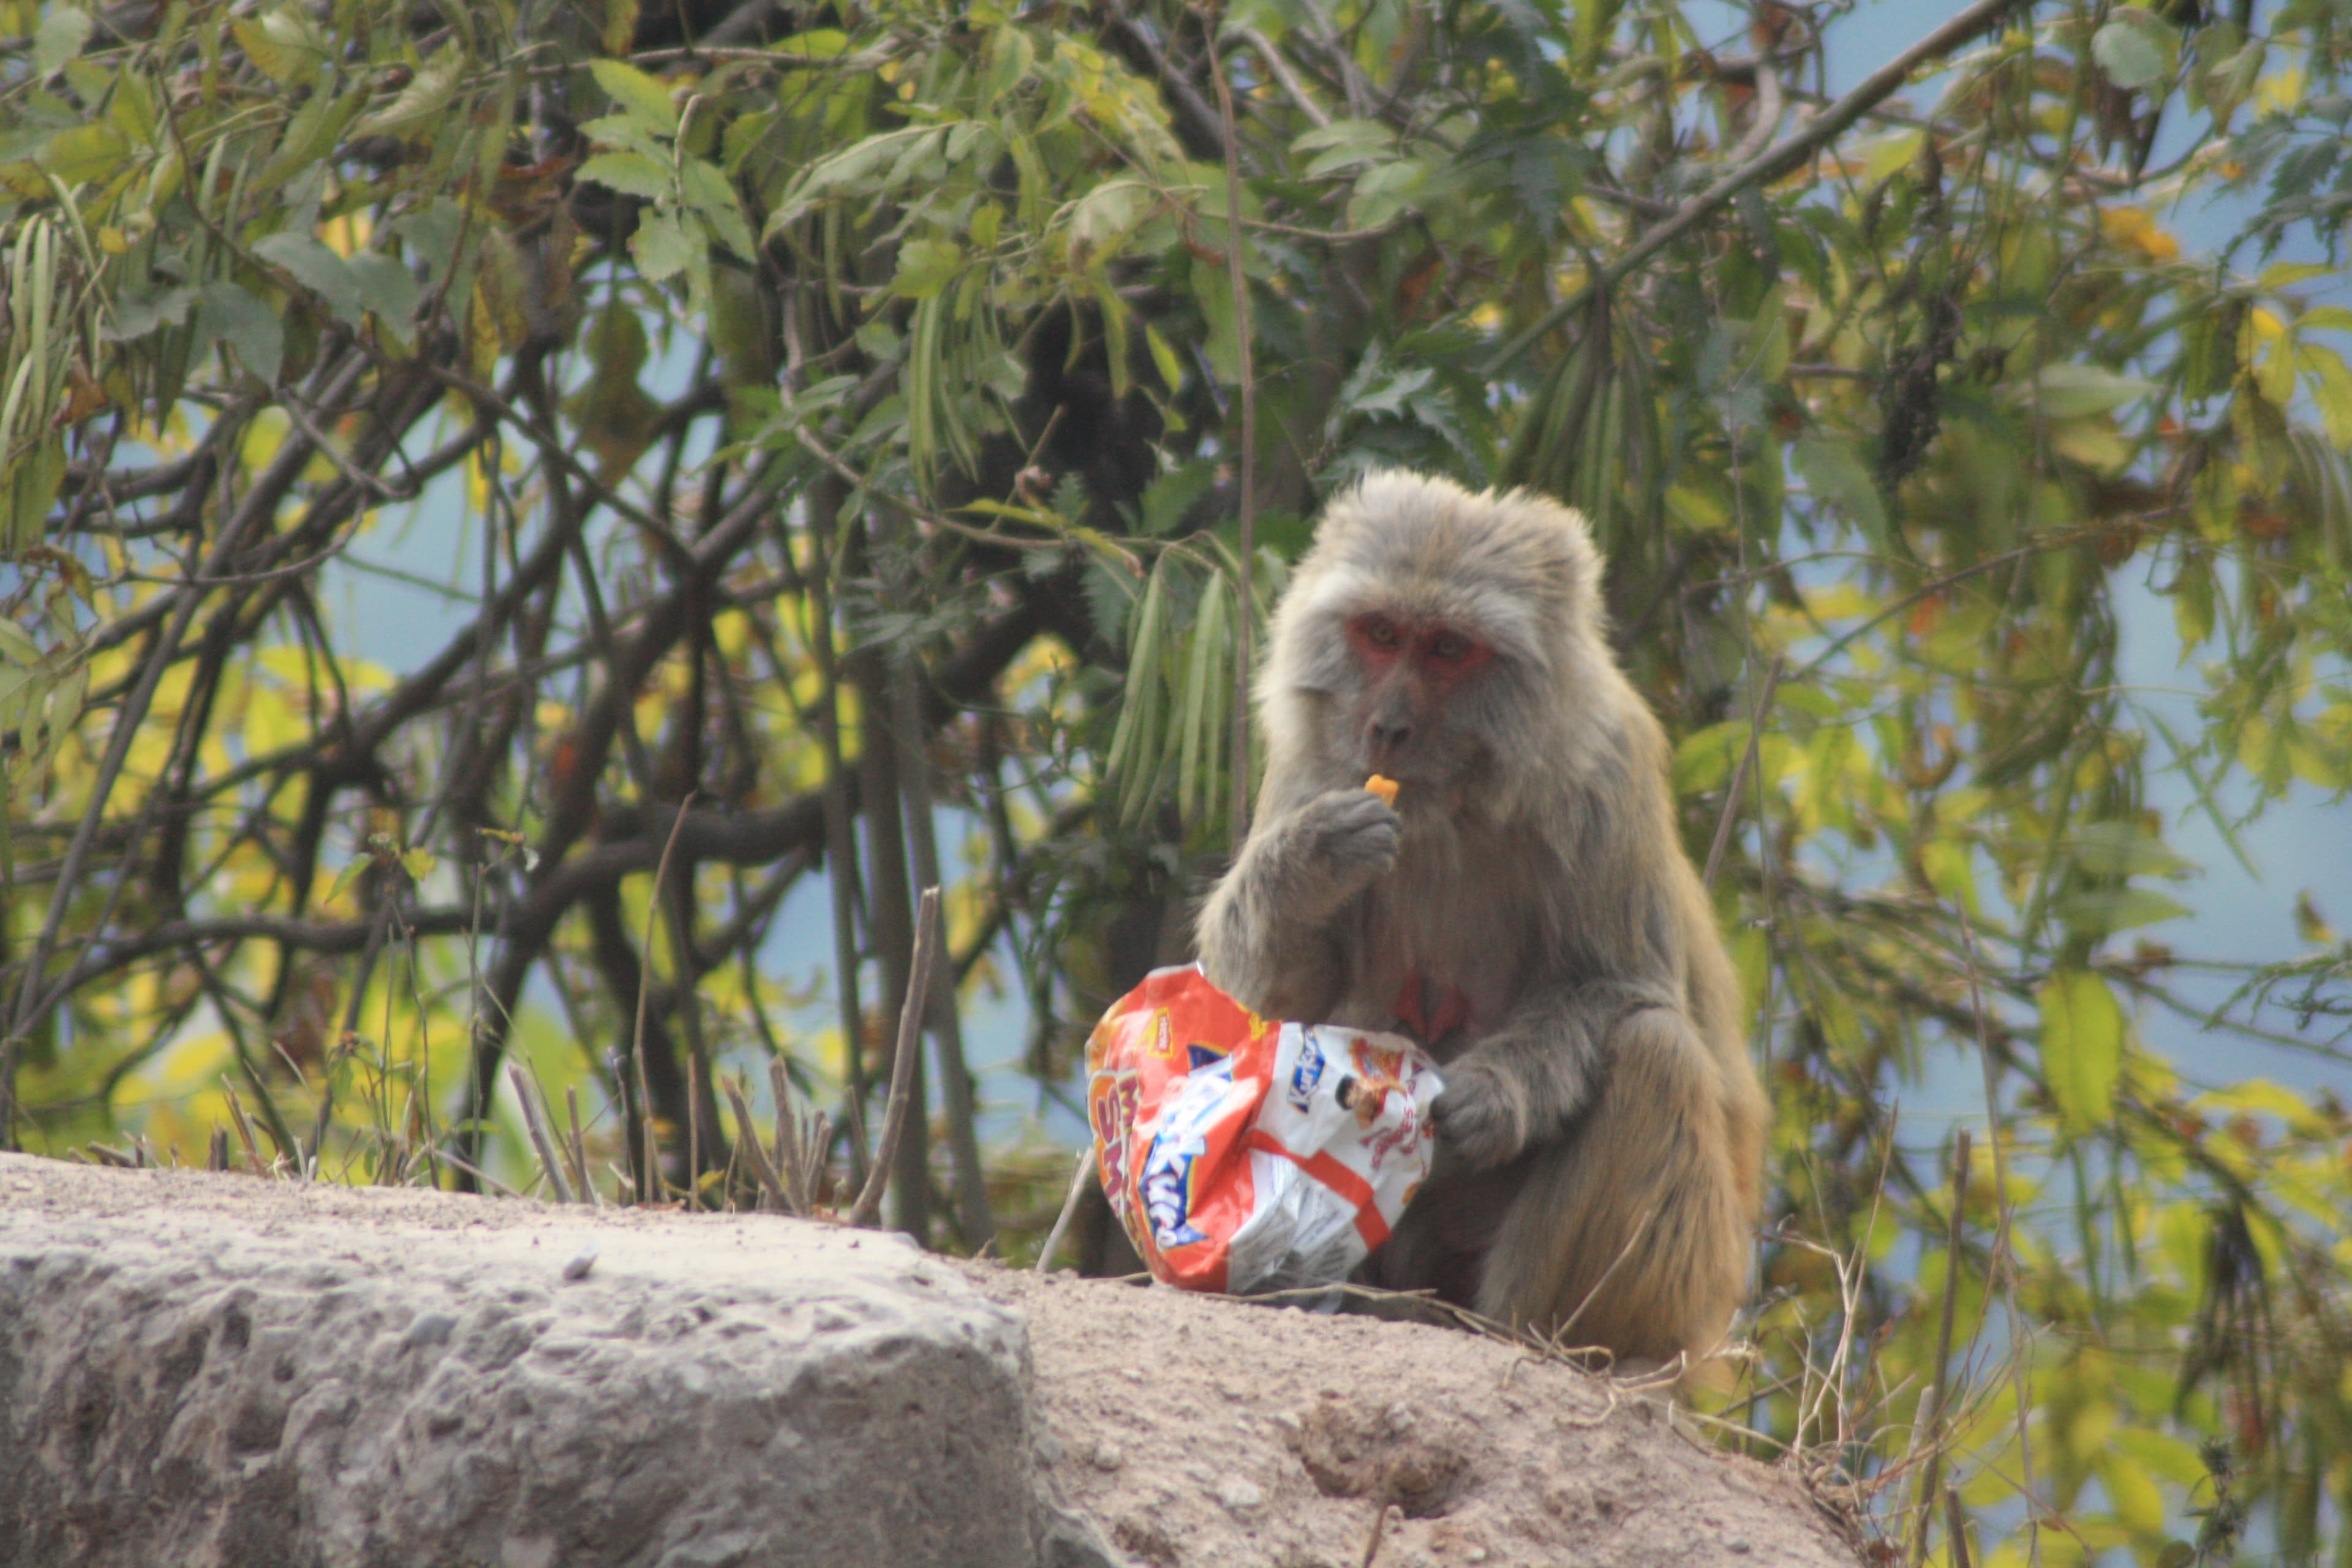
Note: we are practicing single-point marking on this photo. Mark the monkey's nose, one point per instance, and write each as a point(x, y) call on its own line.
point(1387, 740)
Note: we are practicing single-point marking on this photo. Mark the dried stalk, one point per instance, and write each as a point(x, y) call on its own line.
point(578, 1148)
point(972, 1215)
point(1929, 1429)
point(649, 1189)
point(747, 1139)
point(799, 1189)
point(534, 1122)
point(1078, 1183)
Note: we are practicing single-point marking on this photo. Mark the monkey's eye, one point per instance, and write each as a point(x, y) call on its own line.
point(1449, 647)
point(1380, 632)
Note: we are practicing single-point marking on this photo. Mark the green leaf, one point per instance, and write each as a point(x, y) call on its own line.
point(2073, 391)
point(1202, 709)
point(925, 267)
point(81, 154)
point(17, 646)
point(1215, 296)
point(663, 248)
point(388, 289)
point(1344, 145)
point(1704, 760)
point(64, 31)
point(631, 174)
point(315, 127)
point(284, 45)
point(419, 103)
point(1169, 500)
point(1384, 192)
point(708, 193)
point(431, 235)
point(2122, 849)
point(1833, 469)
point(2331, 389)
point(2136, 48)
point(644, 99)
point(2081, 1046)
point(1891, 155)
point(2106, 912)
point(315, 268)
point(135, 316)
point(2193, 603)
point(1104, 216)
point(1163, 357)
point(849, 171)
point(230, 314)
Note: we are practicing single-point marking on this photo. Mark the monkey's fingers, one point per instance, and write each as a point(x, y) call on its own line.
point(1385, 788)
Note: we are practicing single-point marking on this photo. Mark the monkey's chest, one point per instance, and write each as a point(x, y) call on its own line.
point(1445, 981)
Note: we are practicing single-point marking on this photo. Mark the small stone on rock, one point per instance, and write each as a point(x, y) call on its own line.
point(1240, 1496)
point(1108, 1455)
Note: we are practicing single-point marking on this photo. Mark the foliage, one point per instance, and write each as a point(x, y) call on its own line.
point(842, 415)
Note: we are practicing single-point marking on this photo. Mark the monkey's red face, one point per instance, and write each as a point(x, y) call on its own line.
point(1411, 669)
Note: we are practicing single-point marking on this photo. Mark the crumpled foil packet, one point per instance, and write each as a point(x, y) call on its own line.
point(1243, 1154)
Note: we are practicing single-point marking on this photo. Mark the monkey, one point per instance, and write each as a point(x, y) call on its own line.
point(1525, 909)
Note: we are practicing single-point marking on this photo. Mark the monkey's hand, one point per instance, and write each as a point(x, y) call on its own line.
point(1524, 1084)
point(1265, 931)
point(1334, 847)
point(1481, 1117)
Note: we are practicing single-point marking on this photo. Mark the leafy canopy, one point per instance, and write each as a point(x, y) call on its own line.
point(840, 413)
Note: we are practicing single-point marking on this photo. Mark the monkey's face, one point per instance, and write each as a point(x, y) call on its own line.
point(1413, 677)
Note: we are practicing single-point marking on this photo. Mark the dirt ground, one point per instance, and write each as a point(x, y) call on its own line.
point(1198, 1431)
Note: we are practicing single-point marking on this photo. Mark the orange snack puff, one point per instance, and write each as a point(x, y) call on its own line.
point(1243, 1154)
point(1385, 788)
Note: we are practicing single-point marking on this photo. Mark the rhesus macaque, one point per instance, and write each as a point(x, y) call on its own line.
point(1525, 910)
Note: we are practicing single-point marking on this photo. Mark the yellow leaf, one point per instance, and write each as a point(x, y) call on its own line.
point(2134, 227)
point(2081, 1046)
point(620, 25)
point(1890, 155)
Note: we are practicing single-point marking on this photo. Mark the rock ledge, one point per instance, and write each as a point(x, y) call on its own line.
point(216, 1371)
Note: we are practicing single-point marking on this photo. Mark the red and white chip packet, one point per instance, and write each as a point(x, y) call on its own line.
point(1245, 1154)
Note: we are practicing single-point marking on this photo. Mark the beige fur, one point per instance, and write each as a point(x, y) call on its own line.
point(1600, 1108)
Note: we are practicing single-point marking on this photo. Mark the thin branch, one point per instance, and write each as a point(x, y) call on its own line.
point(902, 1064)
point(1078, 1185)
point(645, 986)
point(1245, 617)
point(1739, 774)
point(1285, 75)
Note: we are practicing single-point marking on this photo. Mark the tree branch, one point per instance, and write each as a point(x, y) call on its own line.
point(1824, 128)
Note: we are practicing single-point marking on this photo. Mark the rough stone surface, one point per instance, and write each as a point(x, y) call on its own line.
point(199, 1370)
point(217, 1372)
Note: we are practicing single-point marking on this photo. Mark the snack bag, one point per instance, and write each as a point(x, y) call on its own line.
point(1243, 1154)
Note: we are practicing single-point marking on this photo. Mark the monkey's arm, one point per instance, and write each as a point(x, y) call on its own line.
point(1266, 933)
